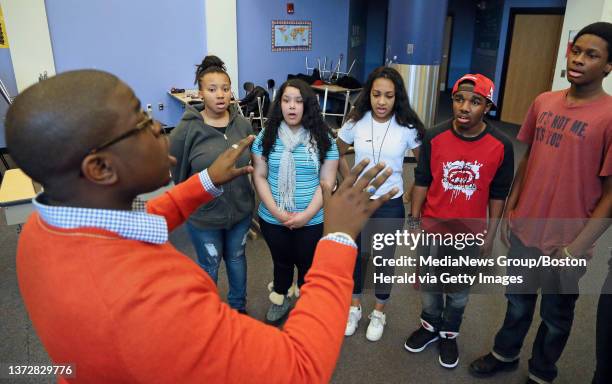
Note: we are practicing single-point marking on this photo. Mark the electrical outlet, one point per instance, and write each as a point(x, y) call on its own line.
point(149, 107)
point(160, 106)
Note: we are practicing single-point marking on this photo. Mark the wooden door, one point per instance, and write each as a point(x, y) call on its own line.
point(531, 63)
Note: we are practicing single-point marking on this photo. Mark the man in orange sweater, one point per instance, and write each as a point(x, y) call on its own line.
point(105, 289)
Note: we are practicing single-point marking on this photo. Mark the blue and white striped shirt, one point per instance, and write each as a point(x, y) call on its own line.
point(306, 176)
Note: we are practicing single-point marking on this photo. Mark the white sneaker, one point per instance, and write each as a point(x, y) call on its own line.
point(353, 319)
point(377, 325)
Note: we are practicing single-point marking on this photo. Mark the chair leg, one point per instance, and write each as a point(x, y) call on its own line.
point(4, 162)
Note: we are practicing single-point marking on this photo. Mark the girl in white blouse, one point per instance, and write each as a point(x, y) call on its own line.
point(381, 127)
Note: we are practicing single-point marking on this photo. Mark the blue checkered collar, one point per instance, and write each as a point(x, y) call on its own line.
point(136, 224)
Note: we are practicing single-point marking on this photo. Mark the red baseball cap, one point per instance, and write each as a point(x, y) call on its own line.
point(482, 85)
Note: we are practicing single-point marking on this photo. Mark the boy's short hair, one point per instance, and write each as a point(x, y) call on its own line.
point(600, 29)
point(248, 86)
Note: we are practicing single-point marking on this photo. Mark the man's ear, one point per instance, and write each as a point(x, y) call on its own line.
point(608, 69)
point(488, 107)
point(98, 168)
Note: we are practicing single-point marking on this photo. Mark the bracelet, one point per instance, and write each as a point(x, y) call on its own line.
point(567, 254)
point(413, 222)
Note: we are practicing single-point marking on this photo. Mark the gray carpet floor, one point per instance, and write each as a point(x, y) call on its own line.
point(360, 361)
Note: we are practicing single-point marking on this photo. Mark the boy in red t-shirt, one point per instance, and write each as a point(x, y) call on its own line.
point(565, 174)
point(465, 171)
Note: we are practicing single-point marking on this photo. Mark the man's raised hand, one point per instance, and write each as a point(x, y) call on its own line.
point(349, 208)
point(223, 169)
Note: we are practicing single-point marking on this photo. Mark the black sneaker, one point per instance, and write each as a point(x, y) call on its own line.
point(421, 338)
point(449, 353)
point(488, 365)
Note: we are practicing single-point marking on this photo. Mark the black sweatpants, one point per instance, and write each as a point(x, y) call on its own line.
point(290, 248)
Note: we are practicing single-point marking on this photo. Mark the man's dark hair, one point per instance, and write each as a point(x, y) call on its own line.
point(600, 29)
point(53, 124)
point(271, 83)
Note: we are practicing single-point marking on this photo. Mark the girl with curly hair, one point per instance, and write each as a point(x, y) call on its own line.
point(292, 156)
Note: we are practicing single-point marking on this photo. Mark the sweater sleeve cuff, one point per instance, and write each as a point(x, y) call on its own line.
point(208, 184)
point(341, 238)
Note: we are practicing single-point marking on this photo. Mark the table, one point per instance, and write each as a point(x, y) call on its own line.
point(16, 193)
point(18, 190)
point(332, 88)
point(186, 98)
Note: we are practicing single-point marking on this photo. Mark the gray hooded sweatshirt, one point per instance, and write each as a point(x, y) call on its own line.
point(196, 145)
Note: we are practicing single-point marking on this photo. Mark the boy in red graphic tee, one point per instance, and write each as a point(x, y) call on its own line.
point(465, 170)
point(565, 174)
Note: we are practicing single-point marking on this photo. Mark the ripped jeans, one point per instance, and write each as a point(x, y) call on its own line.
point(213, 244)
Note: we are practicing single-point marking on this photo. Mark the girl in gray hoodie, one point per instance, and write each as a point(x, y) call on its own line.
point(218, 229)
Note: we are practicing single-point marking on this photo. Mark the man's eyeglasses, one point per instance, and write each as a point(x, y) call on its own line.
point(147, 123)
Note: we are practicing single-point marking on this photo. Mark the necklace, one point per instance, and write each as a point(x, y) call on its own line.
point(216, 121)
point(480, 130)
point(383, 140)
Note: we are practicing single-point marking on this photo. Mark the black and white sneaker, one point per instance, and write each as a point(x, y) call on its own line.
point(449, 353)
point(421, 338)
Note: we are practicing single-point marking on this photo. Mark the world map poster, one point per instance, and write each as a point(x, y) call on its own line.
point(291, 35)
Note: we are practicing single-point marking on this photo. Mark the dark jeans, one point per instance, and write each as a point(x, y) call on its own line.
point(443, 305)
point(444, 315)
point(603, 340)
point(557, 313)
point(289, 249)
point(392, 209)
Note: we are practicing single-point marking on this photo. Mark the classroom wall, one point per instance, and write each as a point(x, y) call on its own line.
point(152, 45)
point(357, 35)
point(462, 41)
point(8, 78)
point(486, 38)
point(222, 36)
point(375, 41)
point(576, 17)
point(256, 61)
point(420, 24)
point(26, 24)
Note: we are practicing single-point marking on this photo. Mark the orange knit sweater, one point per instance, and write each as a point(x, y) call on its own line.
point(125, 311)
